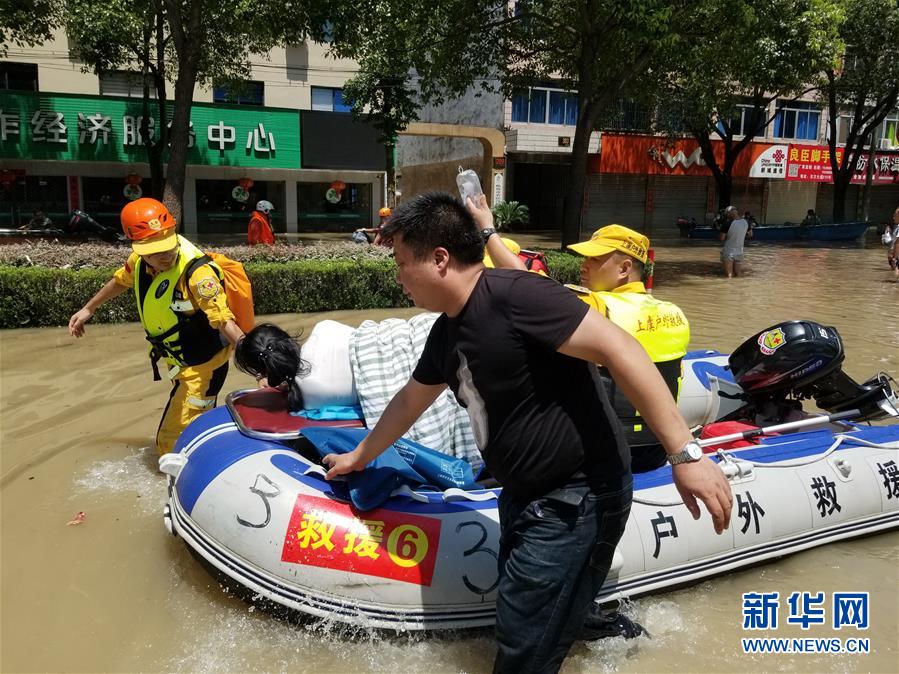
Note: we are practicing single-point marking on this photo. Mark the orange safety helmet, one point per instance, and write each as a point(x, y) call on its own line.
point(385, 212)
point(150, 226)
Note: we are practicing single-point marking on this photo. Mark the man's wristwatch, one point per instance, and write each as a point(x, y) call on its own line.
point(692, 451)
point(487, 233)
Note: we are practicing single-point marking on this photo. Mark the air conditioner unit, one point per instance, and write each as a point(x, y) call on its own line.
point(886, 144)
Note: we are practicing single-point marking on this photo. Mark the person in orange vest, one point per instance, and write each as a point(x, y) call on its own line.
point(383, 216)
point(260, 229)
point(184, 310)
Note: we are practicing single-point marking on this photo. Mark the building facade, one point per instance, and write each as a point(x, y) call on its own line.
point(647, 182)
point(70, 139)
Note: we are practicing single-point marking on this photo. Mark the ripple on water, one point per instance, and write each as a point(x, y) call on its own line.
point(134, 473)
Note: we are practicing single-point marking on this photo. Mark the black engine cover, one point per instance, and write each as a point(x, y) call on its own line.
point(788, 355)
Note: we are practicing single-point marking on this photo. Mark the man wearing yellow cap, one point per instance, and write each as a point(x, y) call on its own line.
point(614, 260)
point(183, 308)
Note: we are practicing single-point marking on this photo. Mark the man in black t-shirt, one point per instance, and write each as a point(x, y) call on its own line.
point(517, 350)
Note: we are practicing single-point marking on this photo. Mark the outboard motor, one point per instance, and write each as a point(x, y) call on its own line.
point(800, 360)
point(81, 223)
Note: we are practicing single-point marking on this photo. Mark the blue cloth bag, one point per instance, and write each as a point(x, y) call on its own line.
point(403, 463)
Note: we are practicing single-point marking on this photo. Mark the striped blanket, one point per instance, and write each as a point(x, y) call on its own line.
point(383, 356)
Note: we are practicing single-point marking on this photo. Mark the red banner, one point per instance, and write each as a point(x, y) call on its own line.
point(811, 163)
point(380, 543)
point(656, 155)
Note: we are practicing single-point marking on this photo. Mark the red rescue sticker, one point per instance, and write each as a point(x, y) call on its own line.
point(381, 543)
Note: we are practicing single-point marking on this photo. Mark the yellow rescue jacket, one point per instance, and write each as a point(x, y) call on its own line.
point(663, 331)
point(176, 330)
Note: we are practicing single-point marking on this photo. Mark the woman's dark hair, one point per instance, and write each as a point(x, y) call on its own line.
point(268, 351)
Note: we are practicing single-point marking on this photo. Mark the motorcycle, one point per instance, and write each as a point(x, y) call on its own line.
point(686, 225)
point(80, 227)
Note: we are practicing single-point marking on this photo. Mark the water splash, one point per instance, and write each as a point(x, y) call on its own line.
point(134, 473)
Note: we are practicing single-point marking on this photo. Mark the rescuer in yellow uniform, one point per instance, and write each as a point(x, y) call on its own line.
point(184, 310)
point(611, 283)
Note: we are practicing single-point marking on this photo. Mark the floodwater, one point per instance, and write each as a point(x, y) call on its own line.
point(118, 593)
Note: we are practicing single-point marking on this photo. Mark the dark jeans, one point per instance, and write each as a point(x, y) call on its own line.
point(555, 553)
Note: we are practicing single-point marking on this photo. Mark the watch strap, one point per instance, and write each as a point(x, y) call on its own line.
point(487, 233)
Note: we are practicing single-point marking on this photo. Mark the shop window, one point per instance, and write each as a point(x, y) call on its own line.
point(245, 93)
point(220, 209)
point(124, 83)
point(333, 206)
point(103, 198)
point(797, 120)
point(20, 76)
point(30, 193)
point(329, 99)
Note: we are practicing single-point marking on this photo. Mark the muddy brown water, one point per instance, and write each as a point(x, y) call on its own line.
point(118, 593)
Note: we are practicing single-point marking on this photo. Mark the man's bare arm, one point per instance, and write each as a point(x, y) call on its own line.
point(402, 411)
point(598, 340)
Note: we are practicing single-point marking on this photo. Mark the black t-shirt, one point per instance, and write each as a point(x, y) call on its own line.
point(538, 416)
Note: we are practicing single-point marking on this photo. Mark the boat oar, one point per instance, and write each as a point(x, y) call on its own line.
point(777, 428)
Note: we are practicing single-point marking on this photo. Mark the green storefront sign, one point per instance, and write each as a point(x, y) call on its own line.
point(69, 127)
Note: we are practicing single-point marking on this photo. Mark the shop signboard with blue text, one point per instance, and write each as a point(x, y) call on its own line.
point(66, 127)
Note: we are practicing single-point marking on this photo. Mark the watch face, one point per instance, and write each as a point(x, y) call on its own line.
point(694, 451)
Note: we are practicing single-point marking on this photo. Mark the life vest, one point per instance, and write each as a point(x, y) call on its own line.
point(163, 307)
point(663, 331)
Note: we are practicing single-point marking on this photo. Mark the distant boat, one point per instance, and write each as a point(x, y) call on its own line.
point(845, 231)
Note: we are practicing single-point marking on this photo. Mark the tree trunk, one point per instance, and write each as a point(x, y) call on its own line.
point(188, 42)
point(869, 176)
point(390, 170)
point(157, 171)
point(724, 182)
point(573, 209)
point(840, 189)
point(179, 136)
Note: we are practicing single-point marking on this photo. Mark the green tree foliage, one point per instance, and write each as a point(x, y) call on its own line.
point(863, 86)
point(123, 35)
point(409, 54)
point(722, 88)
point(25, 24)
point(603, 49)
point(213, 42)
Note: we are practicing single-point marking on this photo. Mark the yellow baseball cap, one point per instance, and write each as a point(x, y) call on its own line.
point(611, 238)
point(508, 243)
point(159, 243)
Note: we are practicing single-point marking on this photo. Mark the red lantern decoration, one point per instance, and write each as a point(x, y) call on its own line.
point(133, 179)
point(338, 186)
point(7, 178)
point(246, 183)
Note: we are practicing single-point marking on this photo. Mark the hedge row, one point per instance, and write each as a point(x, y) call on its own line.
point(39, 296)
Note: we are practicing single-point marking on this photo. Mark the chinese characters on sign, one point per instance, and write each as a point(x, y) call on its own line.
point(825, 493)
point(847, 609)
point(64, 127)
point(749, 511)
point(383, 543)
point(890, 474)
point(811, 163)
point(662, 527)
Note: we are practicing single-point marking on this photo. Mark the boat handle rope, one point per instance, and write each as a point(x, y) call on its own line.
point(730, 460)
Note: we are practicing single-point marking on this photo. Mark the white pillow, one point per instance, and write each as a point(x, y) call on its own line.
point(330, 380)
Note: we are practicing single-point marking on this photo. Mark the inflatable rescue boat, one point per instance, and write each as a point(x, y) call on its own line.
point(248, 497)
